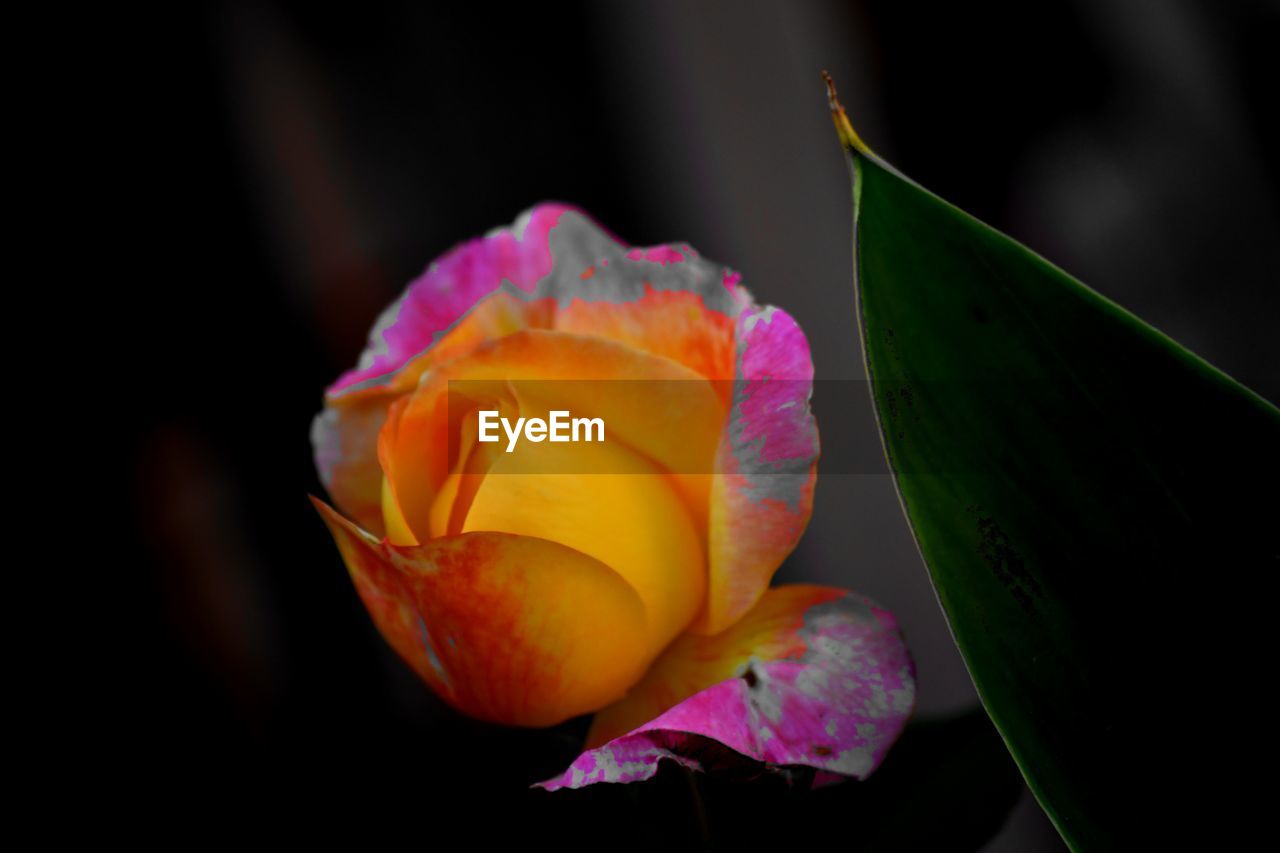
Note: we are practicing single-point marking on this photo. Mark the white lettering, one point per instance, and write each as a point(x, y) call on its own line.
point(560, 428)
point(513, 435)
point(587, 424)
point(487, 423)
point(559, 425)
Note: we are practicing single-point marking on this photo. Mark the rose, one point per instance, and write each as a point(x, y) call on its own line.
point(629, 578)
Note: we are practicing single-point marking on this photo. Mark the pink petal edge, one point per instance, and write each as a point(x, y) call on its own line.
point(450, 287)
point(837, 708)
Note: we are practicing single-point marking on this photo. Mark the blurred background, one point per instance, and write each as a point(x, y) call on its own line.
point(309, 161)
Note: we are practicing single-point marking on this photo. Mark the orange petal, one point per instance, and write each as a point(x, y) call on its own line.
point(511, 629)
point(675, 324)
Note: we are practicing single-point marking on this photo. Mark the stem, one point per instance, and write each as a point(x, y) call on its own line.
point(699, 808)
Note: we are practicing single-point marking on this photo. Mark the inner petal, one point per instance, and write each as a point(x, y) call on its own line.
point(659, 407)
point(611, 503)
point(475, 458)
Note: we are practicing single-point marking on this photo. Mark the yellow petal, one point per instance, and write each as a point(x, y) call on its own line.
point(630, 518)
point(398, 532)
point(657, 406)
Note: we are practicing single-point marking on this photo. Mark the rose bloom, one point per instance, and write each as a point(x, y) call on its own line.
point(627, 578)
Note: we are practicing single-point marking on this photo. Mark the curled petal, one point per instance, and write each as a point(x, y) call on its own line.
point(811, 676)
point(762, 495)
point(511, 629)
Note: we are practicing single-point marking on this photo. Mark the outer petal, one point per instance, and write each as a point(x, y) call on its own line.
point(811, 676)
point(449, 289)
point(556, 254)
point(511, 629)
point(664, 300)
point(674, 324)
point(344, 441)
point(762, 494)
point(344, 435)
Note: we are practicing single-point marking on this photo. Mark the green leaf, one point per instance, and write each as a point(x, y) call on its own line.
point(1093, 502)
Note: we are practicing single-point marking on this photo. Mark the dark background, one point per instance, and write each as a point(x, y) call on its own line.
point(294, 166)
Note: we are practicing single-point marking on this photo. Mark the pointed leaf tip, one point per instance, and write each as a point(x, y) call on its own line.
point(844, 129)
